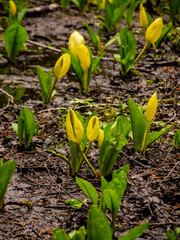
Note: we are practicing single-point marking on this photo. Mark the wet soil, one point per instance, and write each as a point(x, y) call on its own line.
point(43, 178)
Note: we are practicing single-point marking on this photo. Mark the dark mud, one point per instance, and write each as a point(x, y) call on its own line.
point(44, 179)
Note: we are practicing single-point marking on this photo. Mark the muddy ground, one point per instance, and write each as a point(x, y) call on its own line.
point(44, 179)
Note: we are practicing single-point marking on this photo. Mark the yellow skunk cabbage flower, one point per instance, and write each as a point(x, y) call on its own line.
point(143, 17)
point(151, 108)
point(154, 31)
point(84, 57)
point(92, 129)
point(74, 127)
point(100, 137)
point(13, 8)
point(62, 65)
point(75, 40)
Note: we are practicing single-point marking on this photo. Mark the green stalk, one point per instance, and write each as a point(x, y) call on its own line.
point(51, 90)
point(144, 144)
point(85, 158)
point(85, 81)
point(145, 46)
point(88, 147)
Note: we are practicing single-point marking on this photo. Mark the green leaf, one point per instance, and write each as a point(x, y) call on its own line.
point(117, 184)
point(21, 131)
point(112, 201)
point(98, 226)
point(119, 181)
point(153, 136)
point(91, 34)
point(29, 125)
point(130, 11)
point(96, 63)
point(6, 172)
point(109, 152)
point(118, 14)
point(123, 126)
point(88, 189)
point(26, 126)
point(45, 80)
point(76, 158)
point(75, 203)
point(173, 235)
point(127, 50)
point(14, 36)
point(135, 232)
point(60, 234)
point(138, 124)
point(177, 139)
point(79, 234)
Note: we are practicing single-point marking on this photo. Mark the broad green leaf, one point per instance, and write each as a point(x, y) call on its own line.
point(153, 136)
point(79, 234)
point(76, 157)
point(109, 152)
point(45, 80)
point(60, 234)
point(96, 63)
point(6, 171)
point(104, 185)
point(21, 129)
point(177, 139)
point(119, 181)
point(118, 14)
point(127, 50)
point(135, 232)
point(14, 36)
point(29, 126)
point(91, 34)
point(98, 226)
point(123, 126)
point(173, 235)
point(129, 15)
point(112, 201)
point(138, 124)
point(88, 189)
point(117, 184)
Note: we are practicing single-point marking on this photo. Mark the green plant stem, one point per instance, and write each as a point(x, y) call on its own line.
point(88, 147)
point(145, 137)
point(87, 161)
point(51, 90)
point(59, 155)
point(85, 81)
point(145, 46)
